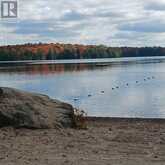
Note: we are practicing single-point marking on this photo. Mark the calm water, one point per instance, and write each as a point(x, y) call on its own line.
point(133, 87)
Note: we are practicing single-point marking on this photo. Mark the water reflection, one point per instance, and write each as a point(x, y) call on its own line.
point(120, 89)
point(46, 69)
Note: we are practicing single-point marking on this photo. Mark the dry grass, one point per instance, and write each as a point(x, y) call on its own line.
point(80, 119)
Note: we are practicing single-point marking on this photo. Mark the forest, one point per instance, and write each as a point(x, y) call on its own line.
point(57, 51)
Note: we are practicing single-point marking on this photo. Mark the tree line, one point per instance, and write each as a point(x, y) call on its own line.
point(67, 51)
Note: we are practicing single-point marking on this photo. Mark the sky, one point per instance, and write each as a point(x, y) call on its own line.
point(109, 22)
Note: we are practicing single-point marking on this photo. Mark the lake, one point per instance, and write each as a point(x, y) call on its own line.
point(125, 87)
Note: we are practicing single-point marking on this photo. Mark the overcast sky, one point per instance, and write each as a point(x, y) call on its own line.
point(109, 22)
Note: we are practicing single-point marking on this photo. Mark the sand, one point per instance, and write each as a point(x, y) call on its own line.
point(109, 141)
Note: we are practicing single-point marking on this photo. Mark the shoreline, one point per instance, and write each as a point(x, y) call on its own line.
point(124, 119)
point(111, 141)
point(45, 131)
point(86, 61)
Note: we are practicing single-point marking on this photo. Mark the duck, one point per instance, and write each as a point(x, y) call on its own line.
point(75, 99)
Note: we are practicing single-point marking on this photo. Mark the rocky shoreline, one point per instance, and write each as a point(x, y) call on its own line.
point(110, 141)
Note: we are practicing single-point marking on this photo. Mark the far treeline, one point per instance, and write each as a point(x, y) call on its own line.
point(67, 51)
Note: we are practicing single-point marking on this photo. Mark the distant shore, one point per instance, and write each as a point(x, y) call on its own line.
point(56, 51)
point(116, 141)
point(86, 61)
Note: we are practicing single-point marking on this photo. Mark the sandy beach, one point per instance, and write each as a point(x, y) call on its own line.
point(110, 141)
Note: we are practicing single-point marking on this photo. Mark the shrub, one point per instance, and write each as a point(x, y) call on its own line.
point(80, 119)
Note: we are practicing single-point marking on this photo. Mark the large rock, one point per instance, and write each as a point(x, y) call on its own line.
point(31, 110)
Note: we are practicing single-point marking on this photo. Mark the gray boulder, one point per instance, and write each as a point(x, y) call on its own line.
point(31, 110)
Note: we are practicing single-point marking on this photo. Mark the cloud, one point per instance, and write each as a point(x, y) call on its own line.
point(73, 16)
point(110, 22)
point(42, 29)
point(144, 26)
point(155, 5)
